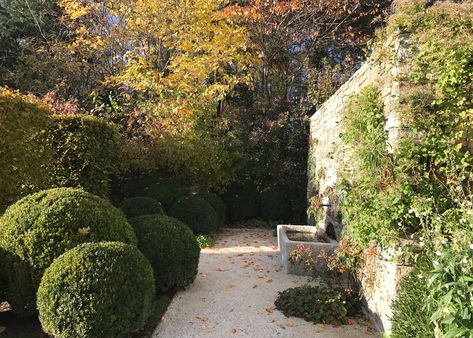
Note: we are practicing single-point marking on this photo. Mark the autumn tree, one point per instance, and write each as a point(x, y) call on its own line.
point(181, 57)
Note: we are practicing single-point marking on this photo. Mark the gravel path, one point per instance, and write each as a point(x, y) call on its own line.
point(234, 293)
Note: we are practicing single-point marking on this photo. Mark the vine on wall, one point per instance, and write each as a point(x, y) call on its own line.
point(423, 190)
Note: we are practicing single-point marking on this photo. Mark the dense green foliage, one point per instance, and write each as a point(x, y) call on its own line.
point(23, 159)
point(85, 152)
point(205, 241)
point(139, 206)
point(374, 202)
point(410, 317)
point(113, 298)
point(40, 227)
point(196, 213)
point(171, 248)
point(242, 201)
point(275, 204)
point(425, 187)
point(317, 304)
point(166, 192)
point(217, 203)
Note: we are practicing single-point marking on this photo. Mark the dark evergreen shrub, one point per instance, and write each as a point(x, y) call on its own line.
point(166, 192)
point(242, 201)
point(86, 151)
point(139, 206)
point(196, 213)
point(217, 203)
point(40, 227)
point(96, 290)
point(171, 248)
point(275, 204)
point(317, 304)
point(410, 318)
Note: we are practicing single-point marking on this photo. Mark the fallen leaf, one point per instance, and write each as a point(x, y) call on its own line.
point(269, 280)
point(222, 270)
point(269, 309)
point(84, 231)
point(202, 318)
point(255, 286)
point(290, 324)
point(234, 330)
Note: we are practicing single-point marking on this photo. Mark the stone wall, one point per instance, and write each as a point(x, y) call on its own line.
point(328, 156)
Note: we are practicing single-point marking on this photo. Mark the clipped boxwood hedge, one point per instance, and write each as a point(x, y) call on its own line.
point(275, 204)
point(40, 227)
point(217, 203)
point(139, 206)
point(24, 160)
point(242, 201)
point(410, 318)
point(96, 290)
point(196, 213)
point(86, 151)
point(171, 248)
point(166, 192)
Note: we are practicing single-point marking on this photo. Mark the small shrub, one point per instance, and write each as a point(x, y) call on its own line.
point(410, 318)
point(316, 304)
point(139, 206)
point(171, 248)
point(86, 152)
point(195, 213)
point(40, 227)
point(165, 192)
point(96, 290)
point(217, 203)
point(205, 241)
point(24, 160)
point(275, 204)
point(242, 201)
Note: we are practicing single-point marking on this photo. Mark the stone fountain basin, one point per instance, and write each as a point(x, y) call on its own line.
point(291, 236)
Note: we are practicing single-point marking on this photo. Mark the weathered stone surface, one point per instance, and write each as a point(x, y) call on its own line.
point(329, 156)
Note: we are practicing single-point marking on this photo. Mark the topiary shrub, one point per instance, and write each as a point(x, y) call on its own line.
point(166, 192)
point(195, 213)
point(317, 304)
point(242, 201)
point(139, 206)
point(96, 290)
point(40, 227)
point(171, 248)
point(24, 160)
point(217, 203)
point(410, 318)
point(86, 151)
point(275, 204)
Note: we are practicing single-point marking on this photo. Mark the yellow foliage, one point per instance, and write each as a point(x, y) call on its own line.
point(184, 54)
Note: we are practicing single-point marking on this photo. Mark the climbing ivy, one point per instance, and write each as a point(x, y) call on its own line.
point(423, 189)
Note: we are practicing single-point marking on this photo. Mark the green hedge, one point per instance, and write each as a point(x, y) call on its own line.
point(139, 206)
point(242, 201)
point(40, 227)
point(171, 248)
point(96, 290)
point(166, 192)
point(275, 204)
point(196, 213)
point(217, 203)
point(24, 160)
point(86, 151)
